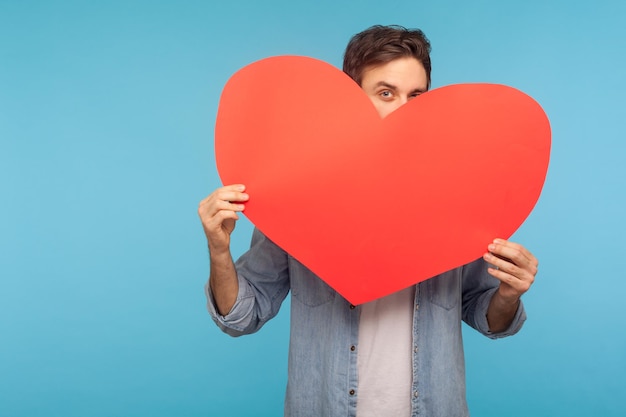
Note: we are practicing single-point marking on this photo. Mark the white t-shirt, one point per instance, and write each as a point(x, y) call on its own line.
point(385, 356)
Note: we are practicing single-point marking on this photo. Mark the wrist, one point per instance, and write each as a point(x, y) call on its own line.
point(505, 300)
point(219, 252)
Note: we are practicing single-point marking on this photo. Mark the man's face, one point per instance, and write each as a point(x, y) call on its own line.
point(391, 85)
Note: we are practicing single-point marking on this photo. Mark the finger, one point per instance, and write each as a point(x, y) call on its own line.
point(214, 215)
point(231, 192)
point(503, 266)
point(514, 253)
point(510, 250)
point(518, 279)
point(215, 223)
point(228, 190)
point(224, 198)
point(232, 196)
point(233, 205)
point(519, 286)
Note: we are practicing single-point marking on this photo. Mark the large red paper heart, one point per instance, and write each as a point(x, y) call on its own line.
point(375, 205)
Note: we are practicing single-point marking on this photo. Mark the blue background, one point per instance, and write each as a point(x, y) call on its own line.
point(106, 121)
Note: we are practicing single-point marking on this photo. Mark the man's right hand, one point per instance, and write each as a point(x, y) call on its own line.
point(218, 213)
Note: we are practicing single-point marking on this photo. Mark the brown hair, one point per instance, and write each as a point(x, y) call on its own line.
point(382, 44)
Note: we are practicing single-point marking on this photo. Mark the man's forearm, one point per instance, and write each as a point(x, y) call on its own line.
point(223, 281)
point(501, 312)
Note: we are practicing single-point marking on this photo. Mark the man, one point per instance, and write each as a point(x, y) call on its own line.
point(401, 355)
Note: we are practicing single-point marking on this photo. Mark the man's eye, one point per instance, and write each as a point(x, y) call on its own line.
point(385, 94)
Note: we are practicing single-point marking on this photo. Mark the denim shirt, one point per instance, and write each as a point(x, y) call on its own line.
point(323, 348)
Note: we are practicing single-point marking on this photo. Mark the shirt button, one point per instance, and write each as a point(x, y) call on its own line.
point(415, 394)
point(352, 348)
point(351, 392)
point(417, 306)
point(415, 349)
point(352, 307)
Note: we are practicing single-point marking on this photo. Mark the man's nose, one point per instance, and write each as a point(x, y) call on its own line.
point(401, 102)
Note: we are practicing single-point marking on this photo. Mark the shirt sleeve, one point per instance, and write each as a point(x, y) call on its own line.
point(263, 276)
point(478, 288)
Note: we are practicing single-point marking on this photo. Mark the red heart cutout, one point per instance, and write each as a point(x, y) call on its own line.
point(375, 205)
